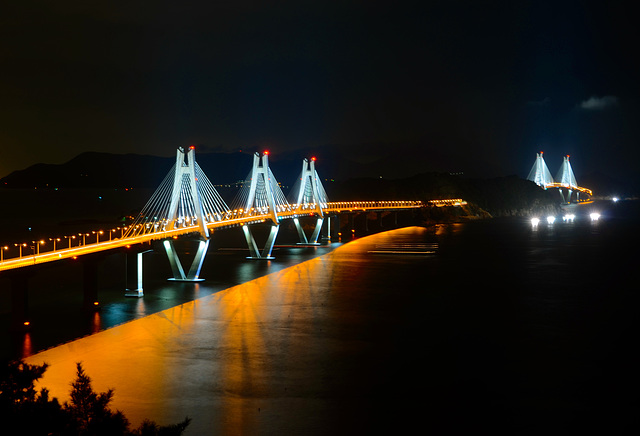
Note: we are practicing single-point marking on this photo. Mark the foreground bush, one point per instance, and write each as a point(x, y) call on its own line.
point(31, 412)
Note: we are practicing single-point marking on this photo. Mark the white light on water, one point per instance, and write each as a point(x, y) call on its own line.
point(595, 216)
point(535, 222)
point(568, 218)
point(551, 219)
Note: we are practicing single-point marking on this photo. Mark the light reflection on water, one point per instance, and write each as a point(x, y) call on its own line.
point(239, 360)
point(506, 326)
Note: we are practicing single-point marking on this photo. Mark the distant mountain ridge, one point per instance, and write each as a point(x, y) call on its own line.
point(106, 170)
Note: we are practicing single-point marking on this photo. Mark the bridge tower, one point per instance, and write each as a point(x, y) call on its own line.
point(185, 199)
point(540, 174)
point(567, 179)
point(186, 205)
point(308, 196)
point(261, 194)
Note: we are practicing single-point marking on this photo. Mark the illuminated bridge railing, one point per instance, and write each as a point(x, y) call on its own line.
point(338, 206)
point(448, 202)
point(141, 233)
point(567, 186)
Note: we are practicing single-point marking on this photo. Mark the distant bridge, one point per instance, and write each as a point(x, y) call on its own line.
point(565, 179)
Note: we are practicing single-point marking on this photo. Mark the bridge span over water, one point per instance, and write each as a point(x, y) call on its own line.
point(186, 205)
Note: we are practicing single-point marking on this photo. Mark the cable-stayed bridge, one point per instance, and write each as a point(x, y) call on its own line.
point(186, 203)
point(565, 179)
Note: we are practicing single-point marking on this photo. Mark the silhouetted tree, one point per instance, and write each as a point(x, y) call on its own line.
point(87, 413)
point(90, 410)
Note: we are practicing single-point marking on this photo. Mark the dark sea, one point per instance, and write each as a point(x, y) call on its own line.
point(502, 328)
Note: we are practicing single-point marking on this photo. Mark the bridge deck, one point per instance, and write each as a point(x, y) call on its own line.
point(566, 186)
point(235, 218)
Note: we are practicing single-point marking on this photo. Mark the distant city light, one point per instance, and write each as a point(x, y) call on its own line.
point(535, 222)
point(569, 217)
point(551, 219)
point(615, 199)
point(594, 216)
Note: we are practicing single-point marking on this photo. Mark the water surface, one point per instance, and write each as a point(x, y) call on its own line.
point(505, 329)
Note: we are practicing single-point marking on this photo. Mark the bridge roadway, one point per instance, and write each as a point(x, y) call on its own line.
point(566, 186)
point(232, 219)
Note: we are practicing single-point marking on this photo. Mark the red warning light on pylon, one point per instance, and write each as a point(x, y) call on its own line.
point(266, 152)
point(313, 158)
point(193, 147)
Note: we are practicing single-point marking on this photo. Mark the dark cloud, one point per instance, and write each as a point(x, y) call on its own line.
point(599, 103)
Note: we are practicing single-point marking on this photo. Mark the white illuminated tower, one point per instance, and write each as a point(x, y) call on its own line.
point(565, 176)
point(185, 199)
point(567, 179)
point(309, 197)
point(540, 174)
point(261, 194)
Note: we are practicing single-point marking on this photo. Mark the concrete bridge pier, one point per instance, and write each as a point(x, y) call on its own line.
point(193, 275)
point(328, 229)
point(254, 252)
point(336, 230)
point(313, 239)
point(90, 283)
point(133, 275)
point(19, 301)
point(566, 199)
point(351, 218)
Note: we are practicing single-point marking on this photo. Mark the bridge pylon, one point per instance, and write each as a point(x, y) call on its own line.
point(540, 174)
point(567, 179)
point(185, 199)
point(185, 190)
point(309, 197)
point(261, 194)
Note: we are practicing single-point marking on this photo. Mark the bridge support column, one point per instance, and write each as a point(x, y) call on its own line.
point(301, 234)
point(379, 217)
point(326, 236)
point(19, 302)
point(316, 231)
point(313, 240)
point(90, 283)
point(196, 265)
point(253, 247)
point(566, 199)
point(133, 275)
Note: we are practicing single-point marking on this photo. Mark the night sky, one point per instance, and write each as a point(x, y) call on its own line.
point(490, 83)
